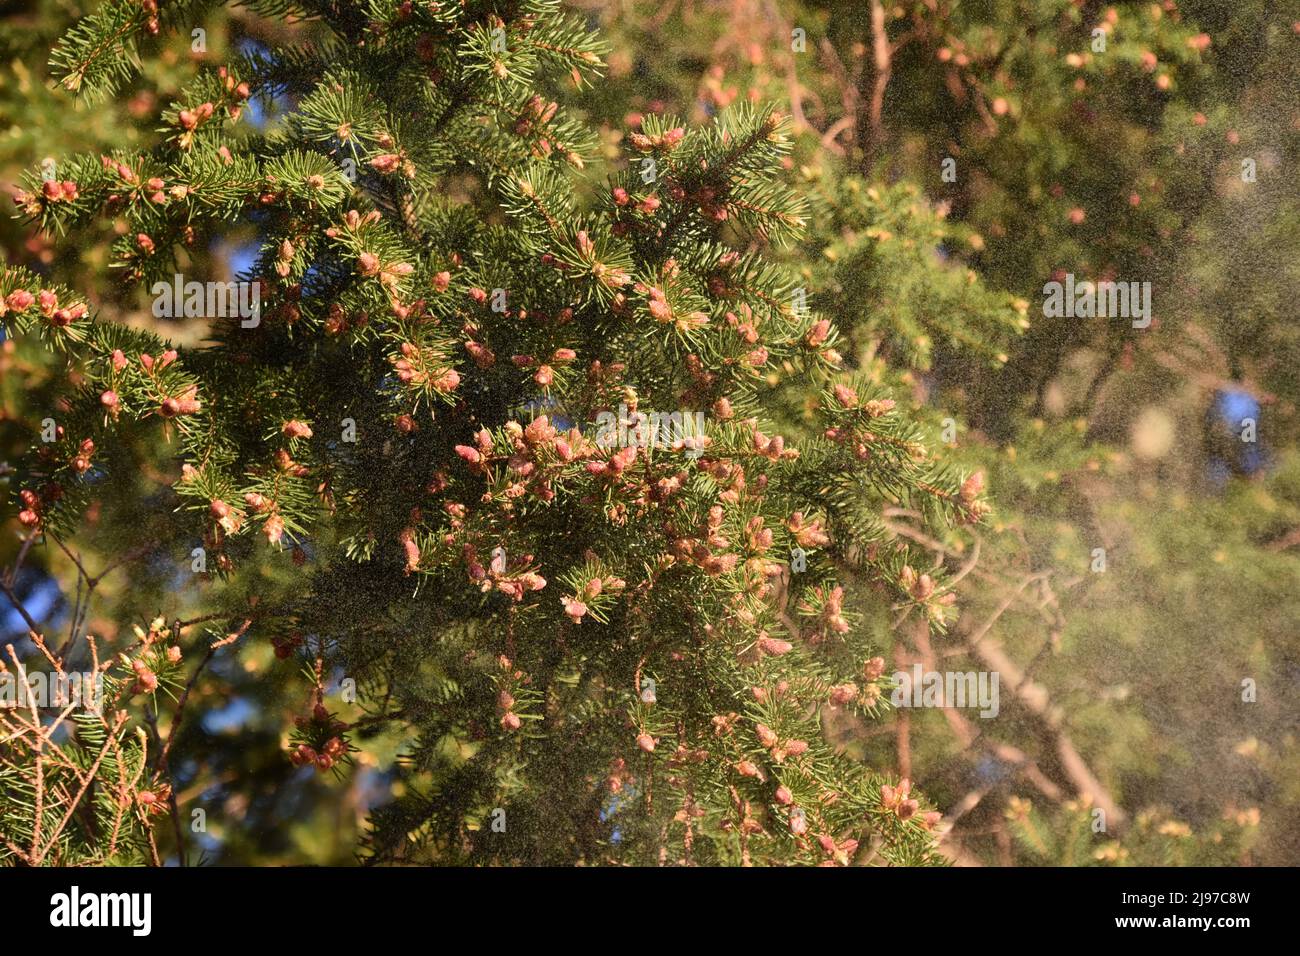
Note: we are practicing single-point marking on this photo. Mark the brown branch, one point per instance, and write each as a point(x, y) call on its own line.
point(883, 61)
point(904, 721)
point(969, 736)
point(1288, 540)
point(13, 599)
point(85, 785)
point(180, 707)
point(1034, 698)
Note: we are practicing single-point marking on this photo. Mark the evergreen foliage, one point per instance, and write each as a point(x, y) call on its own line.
point(595, 626)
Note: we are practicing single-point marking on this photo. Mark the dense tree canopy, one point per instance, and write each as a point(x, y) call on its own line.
point(475, 433)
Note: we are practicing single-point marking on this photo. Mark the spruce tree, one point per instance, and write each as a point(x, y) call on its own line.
point(483, 444)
